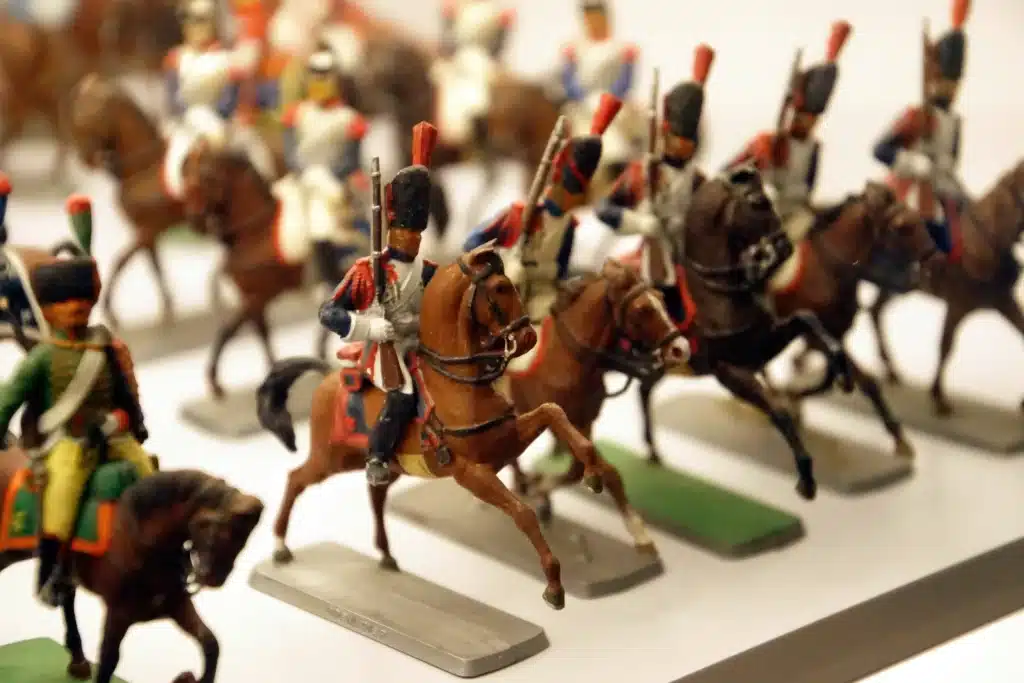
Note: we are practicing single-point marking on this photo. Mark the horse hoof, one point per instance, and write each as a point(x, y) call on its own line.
point(545, 512)
point(388, 564)
point(282, 556)
point(80, 671)
point(904, 449)
point(943, 408)
point(647, 548)
point(893, 379)
point(594, 483)
point(807, 488)
point(187, 677)
point(555, 597)
point(654, 459)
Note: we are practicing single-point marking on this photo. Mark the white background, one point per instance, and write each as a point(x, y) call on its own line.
point(959, 503)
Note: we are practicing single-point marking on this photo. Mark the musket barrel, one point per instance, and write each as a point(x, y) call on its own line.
point(376, 231)
point(540, 178)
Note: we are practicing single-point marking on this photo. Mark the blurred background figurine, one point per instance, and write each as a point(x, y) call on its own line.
point(788, 157)
point(922, 148)
point(592, 65)
point(473, 35)
point(323, 150)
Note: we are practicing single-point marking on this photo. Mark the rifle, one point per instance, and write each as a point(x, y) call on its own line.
point(391, 371)
point(654, 247)
point(787, 100)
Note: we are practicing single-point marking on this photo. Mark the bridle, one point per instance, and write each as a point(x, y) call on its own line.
point(621, 353)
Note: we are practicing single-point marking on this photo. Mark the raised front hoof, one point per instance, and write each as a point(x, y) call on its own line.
point(555, 597)
point(594, 483)
point(80, 671)
point(904, 450)
point(807, 488)
point(388, 564)
point(282, 556)
point(187, 677)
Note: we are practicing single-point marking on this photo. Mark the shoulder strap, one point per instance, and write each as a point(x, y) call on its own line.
point(68, 403)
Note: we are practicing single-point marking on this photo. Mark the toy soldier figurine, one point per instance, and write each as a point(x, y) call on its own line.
point(82, 383)
point(378, 302)
point(323, 143)
point(788, 157)
point(669, 179)
point(252, 27)
point(922, 148)
point(473, 35)
point(541, 240)
point(595, 64)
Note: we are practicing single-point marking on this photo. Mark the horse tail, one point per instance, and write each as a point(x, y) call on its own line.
point(272, 396)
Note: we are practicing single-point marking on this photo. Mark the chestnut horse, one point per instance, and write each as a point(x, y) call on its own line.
point(172, 534)
point(840, 250)
point(471, 431)
point(110, 132)
point(731, 246)
point(982, 275)
point(591, 322)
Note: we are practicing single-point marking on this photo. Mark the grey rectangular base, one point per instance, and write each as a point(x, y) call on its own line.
point(593, 564)
point(973, 422)
point(840, 465)
point(459, 635)
point(234, 416)
point(878, 633)
point(197, 330)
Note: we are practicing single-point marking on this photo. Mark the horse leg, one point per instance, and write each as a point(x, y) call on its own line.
point(876, 310)
point(115, 272)
point(483, 482)
point(745, 386)
point(955, 314)
point(646, 388)
point(378, 497)
point(115, 627)
point(596, 472)
point(263, 332)
point(224, 335)
point(78, 667)
point(869, 387)
point(161, 283)
point(1012, 313)
point(188, 620)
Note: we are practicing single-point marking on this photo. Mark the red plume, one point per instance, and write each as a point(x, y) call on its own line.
point(424, 138)
point(836, 40)
point(605, 114)
point(960, 10)
point(5, 185)
point(703, 56)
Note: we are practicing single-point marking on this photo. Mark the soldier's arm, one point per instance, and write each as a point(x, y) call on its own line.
point(504, 229)
point(343, 312)
point(351, 157)
point(758, 152)
point(570, 75)
point(30, 374)
point(618, 209)
point(289, 138)
point(900, 135)
point(565, 249)
point(624, 83)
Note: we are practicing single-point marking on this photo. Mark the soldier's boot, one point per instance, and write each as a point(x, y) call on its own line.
point(481, 139)
point(54, 578)
point(398, 411)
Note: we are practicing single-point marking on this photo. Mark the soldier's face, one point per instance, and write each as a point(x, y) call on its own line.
point(321, 87)
point(198, 32)
point(678, 149)
point(68, 315)
point(596, 24)
point(802, 124)
point(943, 91)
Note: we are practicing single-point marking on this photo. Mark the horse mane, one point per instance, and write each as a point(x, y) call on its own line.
point(571, 290)
point(238, 162)
point(828, 216)
point(1007, 190)
point(162, 490)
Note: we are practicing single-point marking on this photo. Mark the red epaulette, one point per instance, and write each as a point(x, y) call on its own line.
point(512, 225)
point(172, 59)
point(635, 175)
point(357, 129)
point(630, 53)
point(762, 151)
point(911, 124)
point(508, 17)
point(357, 284)
point(569, 53)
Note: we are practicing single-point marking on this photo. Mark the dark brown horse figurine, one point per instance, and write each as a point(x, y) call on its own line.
point(731, 246)
point(167, 536)
point(981, 275)
point(110, 132)
point(469, 311)
point(583, 338)
point(838, 252)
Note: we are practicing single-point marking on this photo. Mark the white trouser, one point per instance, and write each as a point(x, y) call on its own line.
point(464, 92)
point(202, 120)
point(797, 222)
point(325, 197)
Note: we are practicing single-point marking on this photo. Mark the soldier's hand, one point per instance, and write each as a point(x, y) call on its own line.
point(381, 330)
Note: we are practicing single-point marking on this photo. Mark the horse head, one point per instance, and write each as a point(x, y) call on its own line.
point(224, 194)
point(93, 124)
point(211, 519)
point(733, 238)
point(473, 304)
point(897, 227)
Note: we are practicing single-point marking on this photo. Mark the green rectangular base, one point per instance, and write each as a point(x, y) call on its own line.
point(709, 516)
point(39, 660)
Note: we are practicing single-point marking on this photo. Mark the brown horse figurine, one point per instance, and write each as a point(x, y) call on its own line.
point(167, 536)
point(471, 431)
point(110, 132)
point(981, 274)
point(583, 338)
point(838, 252)
point(731, 246)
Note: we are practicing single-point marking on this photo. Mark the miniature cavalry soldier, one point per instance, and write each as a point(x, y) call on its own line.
point(252, 24)
point(82, 382)
point(323, 148)
point(595, 64)
point(389, 324)
point(630, 209)
point(540, 245)
point(473, 35)
point(788, 157)
point(922, 148)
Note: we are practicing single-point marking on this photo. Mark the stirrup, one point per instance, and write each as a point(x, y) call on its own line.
point(377, 471)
